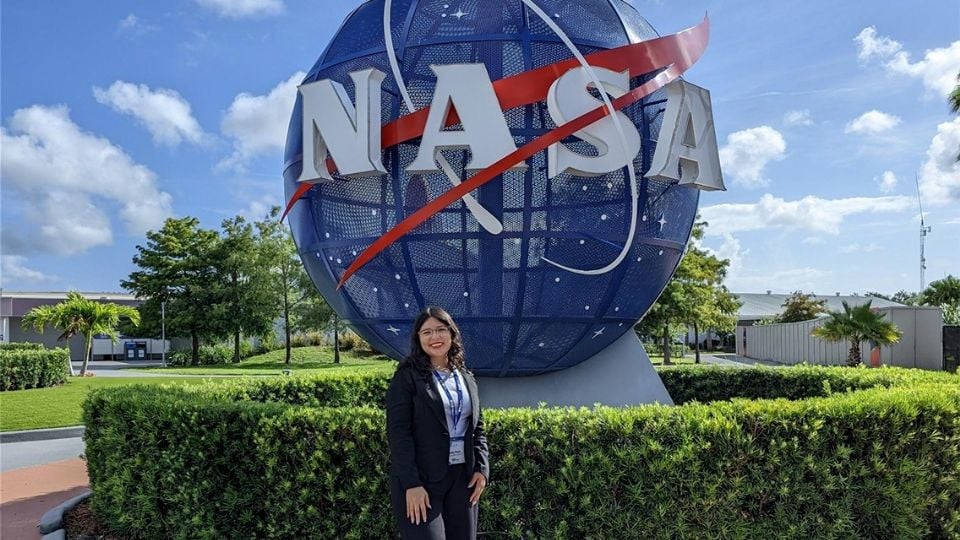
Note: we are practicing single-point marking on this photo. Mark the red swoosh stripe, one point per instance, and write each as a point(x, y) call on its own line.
point(532, 86)
point(676, 54)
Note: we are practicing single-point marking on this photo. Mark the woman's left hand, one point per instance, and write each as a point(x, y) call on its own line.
point(478, 483)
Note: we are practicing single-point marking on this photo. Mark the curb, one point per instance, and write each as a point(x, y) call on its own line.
point(42, 434)
point(51, 524)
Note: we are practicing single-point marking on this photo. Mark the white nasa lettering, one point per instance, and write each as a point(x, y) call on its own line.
point(569, 98)
point(688, 140)
point(332, 124)
point(467, 88)
point(350, 134)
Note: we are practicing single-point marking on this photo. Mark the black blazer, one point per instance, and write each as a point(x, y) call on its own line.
point(417, 429)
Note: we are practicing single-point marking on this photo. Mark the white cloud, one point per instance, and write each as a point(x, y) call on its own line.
point(747, 152)
point(809, 213)
point(237, 9)
point(937, 70)
point(858, 248)
point(258, 124)
point(14, 269)
point(870, 46)
point(132, 26)
point(730, 250)
point(940, 172)
point(872, 123)
point(164, 113)
point(63, 175)
point(798, 118)
point(887, 182)
point(791, 279)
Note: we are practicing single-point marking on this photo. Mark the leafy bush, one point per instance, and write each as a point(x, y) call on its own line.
point(21, 346)
point(209, 355)
point(656, 349)
point(28, 367)
point(229, 459)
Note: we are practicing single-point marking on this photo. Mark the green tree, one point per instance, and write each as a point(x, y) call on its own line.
point(695, 296)
point(954, 101)
point(278, 254)
point(246, 305)
point(906, 298)
point(180, 264)
point(942, 291)
point(79, 315)
point(313, 312)
point(801, 307)
point(856, 325)
point(954, 98)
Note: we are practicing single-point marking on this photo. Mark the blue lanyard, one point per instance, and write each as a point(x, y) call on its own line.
point(458, 410)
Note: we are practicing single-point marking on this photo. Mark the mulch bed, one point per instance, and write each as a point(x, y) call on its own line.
point(81, 524)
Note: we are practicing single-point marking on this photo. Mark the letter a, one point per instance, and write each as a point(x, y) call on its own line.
point(467, 88)
point(333, 126)
point(687, 145)
point(568, 98)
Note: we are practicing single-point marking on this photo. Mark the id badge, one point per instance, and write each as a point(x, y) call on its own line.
point(456, 451)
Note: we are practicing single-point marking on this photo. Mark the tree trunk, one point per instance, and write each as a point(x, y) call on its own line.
point(286, 326)
point(88, 346)
point(696, 343)
point(336, 338)
point(853, 359)
point(666, 344)
point(195, 346)
point(236, 347)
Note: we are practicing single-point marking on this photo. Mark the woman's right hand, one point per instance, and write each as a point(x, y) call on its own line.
point(417, 503)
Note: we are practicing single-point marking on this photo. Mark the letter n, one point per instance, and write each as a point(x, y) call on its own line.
point(333, 127)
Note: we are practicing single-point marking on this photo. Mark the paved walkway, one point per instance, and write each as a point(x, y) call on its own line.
point(28, 492)
point(731, 359)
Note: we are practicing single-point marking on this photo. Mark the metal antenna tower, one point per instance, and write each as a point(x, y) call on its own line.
point(924, 229)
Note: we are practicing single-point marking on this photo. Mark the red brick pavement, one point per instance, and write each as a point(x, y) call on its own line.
point(26, 493)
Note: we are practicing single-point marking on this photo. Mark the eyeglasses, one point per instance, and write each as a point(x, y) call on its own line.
point(439, 331)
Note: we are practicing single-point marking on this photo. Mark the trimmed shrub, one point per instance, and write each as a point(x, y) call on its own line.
point(21, 346)
point(27, 367)
point(229, 460)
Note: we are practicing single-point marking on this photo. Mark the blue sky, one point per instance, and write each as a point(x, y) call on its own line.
point(116, 115)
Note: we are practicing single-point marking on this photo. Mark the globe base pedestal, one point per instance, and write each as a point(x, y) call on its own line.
point(619, 375)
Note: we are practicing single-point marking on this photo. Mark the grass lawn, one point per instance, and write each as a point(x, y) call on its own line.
point(303, 360)
point(657, 360)
point(59, 406)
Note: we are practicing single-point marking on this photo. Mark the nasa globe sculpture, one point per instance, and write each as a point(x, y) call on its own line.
point(460, 154)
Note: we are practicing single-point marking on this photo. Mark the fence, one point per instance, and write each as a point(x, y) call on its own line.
point(922, 344)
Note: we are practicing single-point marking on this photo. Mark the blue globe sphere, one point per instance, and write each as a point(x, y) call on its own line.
point(519, 315)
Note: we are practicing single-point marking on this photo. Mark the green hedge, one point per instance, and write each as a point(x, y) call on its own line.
point(21, 346)
point(684, 383)
point(228, 460)
point(27, 367)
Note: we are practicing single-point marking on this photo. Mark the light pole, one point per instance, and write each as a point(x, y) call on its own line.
point(163, 331)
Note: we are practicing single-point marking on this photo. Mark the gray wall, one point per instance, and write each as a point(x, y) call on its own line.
point(791, 343)
point(48, 338)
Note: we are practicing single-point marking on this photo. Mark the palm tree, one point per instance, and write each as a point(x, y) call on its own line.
point(954, 98)
point(857, 324)
point(79, 315)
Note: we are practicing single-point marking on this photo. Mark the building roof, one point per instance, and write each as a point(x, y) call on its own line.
point(18, 303)
point(758, 306)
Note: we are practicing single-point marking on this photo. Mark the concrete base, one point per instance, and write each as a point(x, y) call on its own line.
point(619, 375)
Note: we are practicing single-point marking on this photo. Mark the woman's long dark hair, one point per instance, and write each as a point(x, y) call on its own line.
point(418, 357)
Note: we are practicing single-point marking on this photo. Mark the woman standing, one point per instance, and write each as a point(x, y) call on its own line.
point(438, 449)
